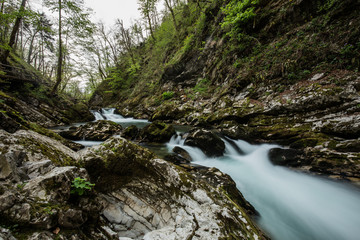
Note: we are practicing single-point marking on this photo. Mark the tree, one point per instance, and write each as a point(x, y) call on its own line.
point(125, 39)
point(14, 31)
point(75, 15)
point(170, 5)
point(147, 9)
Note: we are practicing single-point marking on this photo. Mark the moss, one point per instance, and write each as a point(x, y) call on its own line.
point(56, 156)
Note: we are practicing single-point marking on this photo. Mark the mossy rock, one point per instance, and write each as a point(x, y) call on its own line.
point(158, 132)
point(116, 162)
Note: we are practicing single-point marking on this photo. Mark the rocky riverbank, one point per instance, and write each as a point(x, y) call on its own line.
point(136, 195)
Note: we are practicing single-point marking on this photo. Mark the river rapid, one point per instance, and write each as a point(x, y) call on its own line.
point(292, 205)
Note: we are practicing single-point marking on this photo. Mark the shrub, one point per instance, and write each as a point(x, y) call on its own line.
point(80, 186)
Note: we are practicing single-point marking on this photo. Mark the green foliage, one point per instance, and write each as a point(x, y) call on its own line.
point(237, 15)
point(202, 86)
point(80, 186)
point(167, 95)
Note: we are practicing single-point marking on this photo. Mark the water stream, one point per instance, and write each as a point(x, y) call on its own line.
point(292, 205)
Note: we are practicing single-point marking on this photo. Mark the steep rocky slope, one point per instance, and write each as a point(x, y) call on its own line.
point(25, 100)
point(290, 77)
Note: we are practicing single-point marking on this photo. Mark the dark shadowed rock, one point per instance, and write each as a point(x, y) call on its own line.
point(130, 132)
point(287, 157)
point(207, 141)
point(183, 153)
point(157, 132)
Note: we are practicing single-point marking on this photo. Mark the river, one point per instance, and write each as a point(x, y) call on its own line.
point(292, 205)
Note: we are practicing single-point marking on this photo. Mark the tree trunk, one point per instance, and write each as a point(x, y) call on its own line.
point(14, 32)
point(60, 57)
point(31, 48)
point(150, 26)
point(172, 14)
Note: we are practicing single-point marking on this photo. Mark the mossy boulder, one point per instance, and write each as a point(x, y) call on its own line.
point(116, 162)
point(207, 141)
point(93, 131)
point(157, 132)
point(130, 132)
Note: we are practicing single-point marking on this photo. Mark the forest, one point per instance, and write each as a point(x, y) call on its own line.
point(201, 119)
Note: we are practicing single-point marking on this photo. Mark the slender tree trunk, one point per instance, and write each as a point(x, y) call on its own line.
point(14, 32)
point(172, 14)
point(31, 48)
point(150, 26)
point(60, 57)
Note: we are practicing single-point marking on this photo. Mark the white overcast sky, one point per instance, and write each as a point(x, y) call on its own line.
point(109, 10)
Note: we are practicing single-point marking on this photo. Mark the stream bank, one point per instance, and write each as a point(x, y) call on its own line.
point(290, 204)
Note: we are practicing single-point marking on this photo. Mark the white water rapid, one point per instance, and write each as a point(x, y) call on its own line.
point(292, 205)
point(109, 114)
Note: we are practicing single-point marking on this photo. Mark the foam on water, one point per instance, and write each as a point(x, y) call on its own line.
point(292, 205)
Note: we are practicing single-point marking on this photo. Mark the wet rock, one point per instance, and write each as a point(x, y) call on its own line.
point(176, 159)
point(130, 132)
point(207, 141)
point(157, 132)
point(183, 153)
point(287, 157)
point(93, 131)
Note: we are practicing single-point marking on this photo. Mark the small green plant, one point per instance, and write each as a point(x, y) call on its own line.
point(20, 186)
point(167, 95)
point(80, 186)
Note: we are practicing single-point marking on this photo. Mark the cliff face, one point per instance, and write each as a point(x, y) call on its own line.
point(290, 75)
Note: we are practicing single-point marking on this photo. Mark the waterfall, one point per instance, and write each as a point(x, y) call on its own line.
point(292, 205)
point(109, 114)
point(97, 115)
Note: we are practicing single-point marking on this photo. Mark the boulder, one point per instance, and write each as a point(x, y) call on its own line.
point(157, 132)
point(130, 132)
point(116, 162)
point(207, 141)
point(93, 131)
point(287, 157)
point(183, 153)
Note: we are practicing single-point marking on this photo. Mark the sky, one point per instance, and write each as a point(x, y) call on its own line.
point(109, 10)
